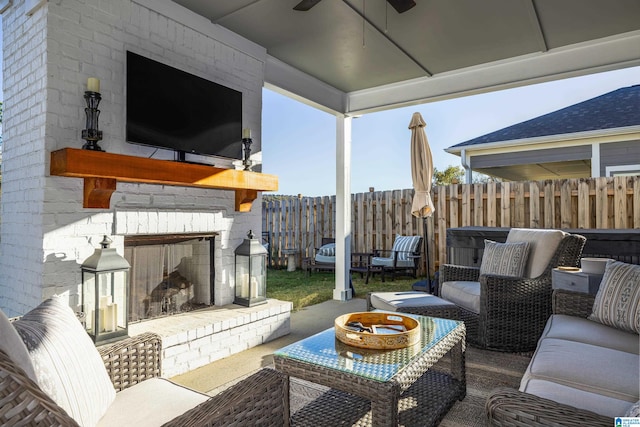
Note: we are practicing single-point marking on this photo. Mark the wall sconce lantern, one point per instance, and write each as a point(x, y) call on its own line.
point(105, 284)
point(251, 272)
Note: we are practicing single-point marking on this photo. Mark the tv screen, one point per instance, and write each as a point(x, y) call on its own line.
point(170, 108)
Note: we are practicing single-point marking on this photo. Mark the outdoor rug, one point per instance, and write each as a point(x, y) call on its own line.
point(316, 406)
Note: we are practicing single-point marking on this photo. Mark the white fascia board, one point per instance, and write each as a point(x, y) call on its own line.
point(600, 55)
point(190, 19)
point(290, 81)
point(567, 139)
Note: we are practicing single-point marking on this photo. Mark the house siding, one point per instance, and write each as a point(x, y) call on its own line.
point(561, 154)
point(619, 154)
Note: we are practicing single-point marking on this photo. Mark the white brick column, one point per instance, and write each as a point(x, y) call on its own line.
point(46, 233)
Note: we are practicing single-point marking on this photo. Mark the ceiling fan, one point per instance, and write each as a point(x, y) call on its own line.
point(399, 5)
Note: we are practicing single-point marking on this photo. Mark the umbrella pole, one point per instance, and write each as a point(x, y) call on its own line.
point(426, 252)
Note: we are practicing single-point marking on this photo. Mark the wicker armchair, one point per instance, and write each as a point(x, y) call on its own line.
point(258, 399)
point(513, 311)
point(509, 407)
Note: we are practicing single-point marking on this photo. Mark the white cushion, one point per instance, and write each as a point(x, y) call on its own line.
point(325, 259)
point(392, 301)
point(543, 245)
point(586, 367)
point(151, 403)
point(67, 365)
point(463, 294)
point(617, 302)
point(590, 401)
point(388, 262)
point(11, 343)
point(504, 259)
point(582, 330)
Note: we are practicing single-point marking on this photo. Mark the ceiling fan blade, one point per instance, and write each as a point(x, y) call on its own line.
point(305, 5)
point(402, 5)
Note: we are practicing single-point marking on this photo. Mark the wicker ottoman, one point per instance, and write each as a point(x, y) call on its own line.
point(420, 303)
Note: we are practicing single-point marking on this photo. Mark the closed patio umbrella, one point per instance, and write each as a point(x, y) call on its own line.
point(422, 176)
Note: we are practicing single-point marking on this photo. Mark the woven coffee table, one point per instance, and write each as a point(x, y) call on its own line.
point(382, 377)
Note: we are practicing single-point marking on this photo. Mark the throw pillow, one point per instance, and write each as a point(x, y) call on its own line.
point(11, 343)
point(504, 259)
point(67, 364)
point(327, 250)
point(633, 411)
point(617, 302)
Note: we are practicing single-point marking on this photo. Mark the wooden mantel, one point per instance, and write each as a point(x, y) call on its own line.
point(101, 171)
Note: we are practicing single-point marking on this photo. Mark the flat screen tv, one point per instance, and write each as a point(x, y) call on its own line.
point(170, 108)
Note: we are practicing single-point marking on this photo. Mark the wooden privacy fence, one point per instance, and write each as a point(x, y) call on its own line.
point(377, 217)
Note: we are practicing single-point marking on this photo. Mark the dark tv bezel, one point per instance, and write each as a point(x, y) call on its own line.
point(232, 100)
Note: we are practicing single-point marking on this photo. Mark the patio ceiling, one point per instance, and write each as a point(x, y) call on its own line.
point(348, 56)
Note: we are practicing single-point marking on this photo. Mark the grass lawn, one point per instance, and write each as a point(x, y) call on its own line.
point(296, 287)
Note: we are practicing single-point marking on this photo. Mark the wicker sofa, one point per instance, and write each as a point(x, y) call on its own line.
point(582, 373)
point(132, 367)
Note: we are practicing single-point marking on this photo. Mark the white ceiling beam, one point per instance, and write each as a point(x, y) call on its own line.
point(290, 81)
point(581, 59)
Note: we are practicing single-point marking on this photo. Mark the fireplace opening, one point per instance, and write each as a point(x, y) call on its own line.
point(169, 274)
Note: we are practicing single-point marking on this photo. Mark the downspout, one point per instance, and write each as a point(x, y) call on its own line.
point(465, 165)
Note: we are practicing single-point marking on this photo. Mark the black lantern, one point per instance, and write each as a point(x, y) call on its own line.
point(105, 284)
point(251, 272)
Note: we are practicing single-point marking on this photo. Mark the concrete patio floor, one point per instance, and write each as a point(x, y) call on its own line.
point(306, 322)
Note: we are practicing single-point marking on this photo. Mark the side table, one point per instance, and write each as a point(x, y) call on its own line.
point(576, 281)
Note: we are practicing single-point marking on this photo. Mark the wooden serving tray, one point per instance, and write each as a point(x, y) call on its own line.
point(403, 331)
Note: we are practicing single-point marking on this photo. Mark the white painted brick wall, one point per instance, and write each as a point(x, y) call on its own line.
point(46, 234)
point(193, 340)
point(25, 77)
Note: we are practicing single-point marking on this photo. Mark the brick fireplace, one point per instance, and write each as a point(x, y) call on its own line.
point(46, 232)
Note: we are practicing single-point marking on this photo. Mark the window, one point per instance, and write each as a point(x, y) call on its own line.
point(622, 170)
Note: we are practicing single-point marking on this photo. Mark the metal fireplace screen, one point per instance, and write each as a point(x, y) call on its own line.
point(168, 278)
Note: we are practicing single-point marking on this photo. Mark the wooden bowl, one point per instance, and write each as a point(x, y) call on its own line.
point(408, 330)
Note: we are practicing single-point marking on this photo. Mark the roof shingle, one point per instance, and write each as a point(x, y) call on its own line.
point(616, 109)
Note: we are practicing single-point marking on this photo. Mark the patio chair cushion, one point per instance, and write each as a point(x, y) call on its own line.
point(151, 403)
point(405, 246)
point(12, 345)
point(388, 262)
point(405, 301)
point(504, 259)
point(327, 250)
point(325, 259)
point(583, 330)
point(543, 245)
point(591, 401)
point(463, 294)
point(617, 302)
point(606, 372)
point(68, 367)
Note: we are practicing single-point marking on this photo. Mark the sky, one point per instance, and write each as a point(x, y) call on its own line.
point(298, 141)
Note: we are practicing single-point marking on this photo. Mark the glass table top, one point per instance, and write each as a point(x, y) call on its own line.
point(325, 350)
